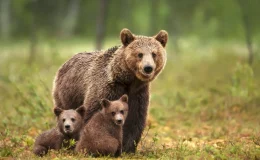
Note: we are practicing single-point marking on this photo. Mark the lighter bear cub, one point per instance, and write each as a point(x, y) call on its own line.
point(102, 135)
point(69, 124)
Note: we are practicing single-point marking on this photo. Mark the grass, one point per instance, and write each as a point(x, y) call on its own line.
point(204, 105)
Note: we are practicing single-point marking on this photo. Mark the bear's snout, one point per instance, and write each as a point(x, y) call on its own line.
point(119, 121)
point(148, 69)
point(67, 126)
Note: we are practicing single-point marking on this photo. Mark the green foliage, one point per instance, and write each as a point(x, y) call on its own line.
point(205, 19)
point(243, 84)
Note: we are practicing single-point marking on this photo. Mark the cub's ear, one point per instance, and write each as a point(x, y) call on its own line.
point(105, 103)
point(81, 110)
point(124, 98)
point(57, 111)
point(126, 37)
point(162, 37)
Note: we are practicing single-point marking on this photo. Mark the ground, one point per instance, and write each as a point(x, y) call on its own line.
point(204, 105)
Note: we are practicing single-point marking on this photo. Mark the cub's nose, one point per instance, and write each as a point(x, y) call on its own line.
point(67, 126)
point(119, 121)
point(148, 69)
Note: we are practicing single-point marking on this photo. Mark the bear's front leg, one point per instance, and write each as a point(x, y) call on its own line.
point(40, 150)
point(119, 149)
point(135, 121)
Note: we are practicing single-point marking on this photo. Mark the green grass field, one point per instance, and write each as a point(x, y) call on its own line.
point(204, 105)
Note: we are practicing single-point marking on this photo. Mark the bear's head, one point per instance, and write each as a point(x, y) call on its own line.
point(116, 111)
point(145, 56)
point(70, 121)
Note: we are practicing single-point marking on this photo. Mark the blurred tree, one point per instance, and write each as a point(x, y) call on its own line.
point(233, 19)
point(180, 19)
point(205, 20)
point(154, 17)
point(32, 7)
point(70, 21)
point(126, 9)
point(87, 19)
point(101, 23)
point(5, 18)
point(119, 15)
point(247, 17)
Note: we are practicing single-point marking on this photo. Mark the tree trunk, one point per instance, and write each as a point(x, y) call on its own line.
point(174, 27)
point(33, 33)
point(70, 21)
point(248, 37)
point(101, 23)
point(5, 6)
point(154, 18)
point(125, 13)
point(247, 28)
point(33, 42)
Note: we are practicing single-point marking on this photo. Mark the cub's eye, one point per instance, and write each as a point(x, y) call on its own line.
point(140, 55)
point(122, 112)
point(154, 55)
point(113, 113)
point(63, 119)
point(72, 119)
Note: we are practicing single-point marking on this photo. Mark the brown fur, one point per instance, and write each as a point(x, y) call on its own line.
point(58, 137)
point(88, 77)
point(102, 135)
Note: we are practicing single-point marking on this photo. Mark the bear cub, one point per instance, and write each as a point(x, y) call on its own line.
point(103, 133)
point(69, 124)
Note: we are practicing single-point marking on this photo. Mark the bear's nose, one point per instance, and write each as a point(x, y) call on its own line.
point(67, 126)
point(119, 121)
point(148, 69)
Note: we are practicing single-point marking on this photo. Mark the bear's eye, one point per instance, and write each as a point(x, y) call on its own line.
point(113, 113)
point(140, 55)
point(154, 55)
point(63, 119)
point(72, 119)
point(122, 112)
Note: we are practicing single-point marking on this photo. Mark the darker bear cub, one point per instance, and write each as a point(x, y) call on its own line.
point(102, 135)
point(69, 124)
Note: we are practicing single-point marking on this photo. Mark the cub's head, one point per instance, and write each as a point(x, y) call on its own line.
point(70, 121)
point(145, 56)
point(115, 110)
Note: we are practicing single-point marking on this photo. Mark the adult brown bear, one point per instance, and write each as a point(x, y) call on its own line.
point(128, 69)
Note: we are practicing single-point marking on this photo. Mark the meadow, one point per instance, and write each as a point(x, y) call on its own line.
point(204, 105)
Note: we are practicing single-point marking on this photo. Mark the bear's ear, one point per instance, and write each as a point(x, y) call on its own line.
point(124, 98)
point(105, 103)
point(57, 111)
point(162, 37)
point(126, 37)
point(81, 110)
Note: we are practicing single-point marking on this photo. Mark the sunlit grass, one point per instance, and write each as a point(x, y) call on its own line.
point(205, 104)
